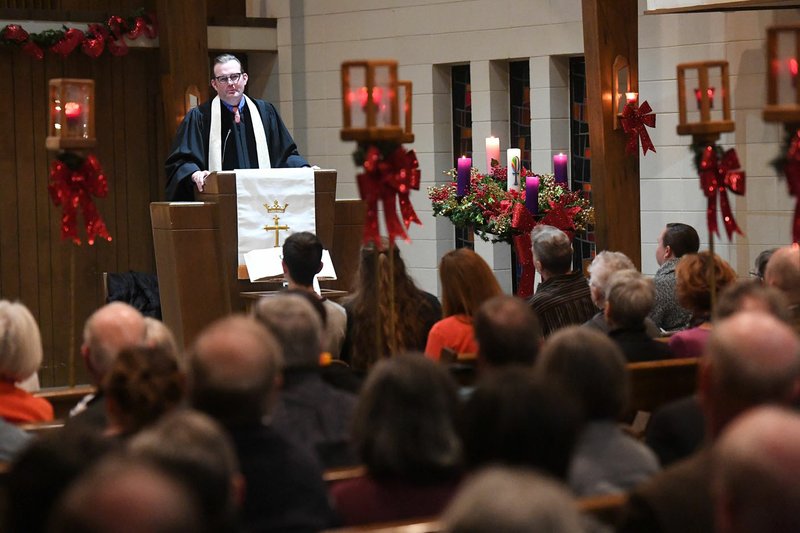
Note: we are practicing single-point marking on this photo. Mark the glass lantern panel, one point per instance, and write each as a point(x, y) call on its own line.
point(785, 66)
point(382, 96)
point(715, 94)
point(401, 100)
point(357, 96)
point(622, 88)
point(56, 111)
point(76, 101)
point(690, 95)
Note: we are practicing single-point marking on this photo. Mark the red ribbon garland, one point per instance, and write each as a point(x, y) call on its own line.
point(72, 189)
point(716, 176)
point(522, 220)
point(385, 179)
point(792, 172)
point(634, 119)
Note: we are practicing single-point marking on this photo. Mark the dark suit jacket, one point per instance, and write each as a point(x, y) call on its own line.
point(637, 346)
point(676, 430)
point(678, 500)
point(284, 488)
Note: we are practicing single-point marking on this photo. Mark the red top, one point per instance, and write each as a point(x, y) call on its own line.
point(19, 406)
point(452, 332)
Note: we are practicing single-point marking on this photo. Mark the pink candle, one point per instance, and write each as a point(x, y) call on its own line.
point(462, 180)
point(560, 168)
point(532, 194)
point(492, 152)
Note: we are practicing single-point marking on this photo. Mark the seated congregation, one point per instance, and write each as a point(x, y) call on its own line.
point(310, 415)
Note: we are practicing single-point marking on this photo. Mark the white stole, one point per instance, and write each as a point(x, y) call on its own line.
point(215, 140)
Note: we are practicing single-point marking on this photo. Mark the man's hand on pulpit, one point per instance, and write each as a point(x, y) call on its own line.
point(199, 178)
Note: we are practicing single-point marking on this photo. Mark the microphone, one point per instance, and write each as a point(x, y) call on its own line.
point(225, 143)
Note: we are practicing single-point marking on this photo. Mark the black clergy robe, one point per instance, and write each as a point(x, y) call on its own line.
point(190, 148)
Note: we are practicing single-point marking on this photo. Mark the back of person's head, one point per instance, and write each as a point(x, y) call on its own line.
point(514, 418)
point(751, 295)
point(198, 452)
point(381, 273)
point(603, 266)
point(507, 332)
point(751, 358)
point(158, 335)
point(552, 249)
point(629, 299)
point(108, 330)
point(125, 494)
point(756, 465)
point(783, 272)
point(760, 263)
point(42, 472)
point(590, 367)
point(692, 280)
point(467, 282)
point(297, 327)
point(681, 238)
point(20, 342)
point(404, 425)
point(235, 365)
point(512, 501)
point(142, 385)
point(302, 255)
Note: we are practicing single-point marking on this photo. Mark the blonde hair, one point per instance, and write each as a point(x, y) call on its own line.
point(20, 342)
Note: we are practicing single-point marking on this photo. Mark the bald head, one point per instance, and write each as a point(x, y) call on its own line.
point(783, 272)
point(235, 365)
point(756, 468)
point(752, 358)
point(111, 329)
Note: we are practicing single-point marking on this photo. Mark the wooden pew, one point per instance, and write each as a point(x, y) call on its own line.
point(655, 383)
point(334, 475)
point(64, 398)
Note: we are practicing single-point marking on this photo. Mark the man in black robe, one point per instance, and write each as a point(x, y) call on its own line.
point(228, 132)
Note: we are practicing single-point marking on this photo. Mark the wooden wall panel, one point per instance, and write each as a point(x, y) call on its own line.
point(34, 262)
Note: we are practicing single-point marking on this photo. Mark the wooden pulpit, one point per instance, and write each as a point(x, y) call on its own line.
point(191, 266)
point(186, 272)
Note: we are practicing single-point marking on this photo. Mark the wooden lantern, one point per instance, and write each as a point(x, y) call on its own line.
point(621, 85)
point(783, 89)
point(707, 98)
point(369, 101)
point(404, 93)
point(71, 111)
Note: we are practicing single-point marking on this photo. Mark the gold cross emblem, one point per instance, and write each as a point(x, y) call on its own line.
point(276, 227)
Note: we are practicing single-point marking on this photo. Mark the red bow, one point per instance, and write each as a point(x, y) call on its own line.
point(522, 220)
point(715, 177)
point(792, 172)
point(73, 188)
point(14, 32)
point(72, 38)
point(383, 179)
point(33, 50)
point(634, 119)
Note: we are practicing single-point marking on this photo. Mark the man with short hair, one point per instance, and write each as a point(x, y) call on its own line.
point(109, 330)
point(235, 373)
point(302, 260)
point(751, 359)
point(675, 241)
point(628, 299)
point(507, 332)
point(563, 297)
point(309, 412)
point(783, 273)
point(756, 467)
point(228, 132)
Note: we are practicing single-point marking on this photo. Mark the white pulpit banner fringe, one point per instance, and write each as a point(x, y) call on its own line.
point(270, 201)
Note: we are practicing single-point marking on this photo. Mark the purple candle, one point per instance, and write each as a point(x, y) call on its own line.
point(462, 182)
point(532, 194)
point(560, 168)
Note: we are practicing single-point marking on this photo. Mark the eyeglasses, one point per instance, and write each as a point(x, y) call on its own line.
point(233, 78)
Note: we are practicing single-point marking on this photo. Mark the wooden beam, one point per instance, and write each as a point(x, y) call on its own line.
point(183, 53)
point(610, 29)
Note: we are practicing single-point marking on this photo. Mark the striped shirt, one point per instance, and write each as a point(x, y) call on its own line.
point(562, 301)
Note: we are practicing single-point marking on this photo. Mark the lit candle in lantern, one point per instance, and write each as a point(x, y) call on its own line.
point(463, 175)
point(560, 168)
point(698, 94)
point(532, 194)
point(631, 98)
point(492, 152)
point(793, 68)
point(513, 156)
